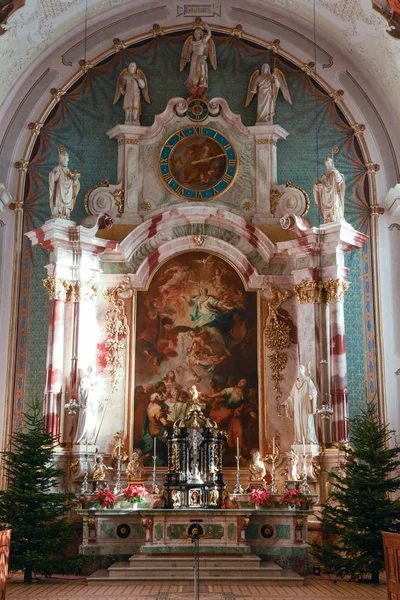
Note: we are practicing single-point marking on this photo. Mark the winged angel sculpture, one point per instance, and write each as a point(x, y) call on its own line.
point(131, 83)
point(267, 85)
point(196, 49)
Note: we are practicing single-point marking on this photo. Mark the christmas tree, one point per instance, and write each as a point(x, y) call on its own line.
point(359, 507)
point(36, 513)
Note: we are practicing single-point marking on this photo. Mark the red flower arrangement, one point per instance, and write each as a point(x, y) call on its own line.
point(105, 498)
point(261, 497)
point(135, 493)
point(291, 497)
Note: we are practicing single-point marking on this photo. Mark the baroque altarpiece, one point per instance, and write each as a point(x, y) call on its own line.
point(214, 253)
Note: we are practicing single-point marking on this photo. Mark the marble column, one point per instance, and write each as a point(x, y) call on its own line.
point(55, 355)
point(335, 290)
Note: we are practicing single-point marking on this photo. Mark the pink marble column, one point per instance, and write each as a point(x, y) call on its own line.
point(55, 356)
point(335, 290)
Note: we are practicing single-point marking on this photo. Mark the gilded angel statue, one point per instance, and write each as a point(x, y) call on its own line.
point(131, 84)
point(267, 86)
point(196, 49)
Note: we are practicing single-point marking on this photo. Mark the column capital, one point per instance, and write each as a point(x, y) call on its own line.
point(56, 287)
point(335, 289)
point(308, 292)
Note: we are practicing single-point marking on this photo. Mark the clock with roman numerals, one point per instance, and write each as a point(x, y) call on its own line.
point(198, 163)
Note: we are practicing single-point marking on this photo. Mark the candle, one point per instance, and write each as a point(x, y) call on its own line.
point(155, 447)
point(273, 446)
point(237, 447)
point(304, 445)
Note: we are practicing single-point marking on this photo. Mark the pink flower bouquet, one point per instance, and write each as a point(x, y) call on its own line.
point(105, 498)
point(261, 497)
point(135, 493)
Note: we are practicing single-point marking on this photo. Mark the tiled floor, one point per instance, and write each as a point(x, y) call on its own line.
point(314, 589)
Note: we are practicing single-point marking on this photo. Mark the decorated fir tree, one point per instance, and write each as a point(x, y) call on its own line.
point(359, 506)
point(36, 513)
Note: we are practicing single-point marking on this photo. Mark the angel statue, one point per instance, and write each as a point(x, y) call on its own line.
point(131, 83)
point(329, 192)
point(196, 49)
point(267, 86)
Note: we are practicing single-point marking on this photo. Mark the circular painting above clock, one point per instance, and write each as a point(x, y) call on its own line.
point(198, 163)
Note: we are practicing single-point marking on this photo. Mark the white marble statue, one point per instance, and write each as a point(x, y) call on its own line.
point(64, 186)
point(329, 193)
point(267, 86)
point(196, 49)
point(132, 83)
point(256, 466)
point(301, 406)
point(89, 412)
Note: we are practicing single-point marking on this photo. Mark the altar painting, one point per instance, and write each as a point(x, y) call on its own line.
point(196, 325)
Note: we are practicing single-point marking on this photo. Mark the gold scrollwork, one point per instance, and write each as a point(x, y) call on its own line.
point(104, 183)
point(117, 329)
point(274, 197)
point(335, 289)
point(128, 141)
point(303, 191)
point(260, 141)
point(119, 200)
point(277, 335)
point(308, 292)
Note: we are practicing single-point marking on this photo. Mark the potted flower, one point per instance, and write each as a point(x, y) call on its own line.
point(135, 494)
point(105, 498)
point(292, 498)
point(260, 497)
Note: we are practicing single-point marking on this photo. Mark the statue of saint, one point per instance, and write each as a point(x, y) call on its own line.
point(293, 468)
point(64, 186)
point(88, 414)
point(267, 86)
point(131, 84)
point(100, 469)
point(301, 406)
point(256, 467)
point(134, 468)
point(196, 49)
point(329, 192)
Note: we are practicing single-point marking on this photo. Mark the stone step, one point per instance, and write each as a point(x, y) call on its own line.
point(187, 572)
point(258, 577)
point(205, 560)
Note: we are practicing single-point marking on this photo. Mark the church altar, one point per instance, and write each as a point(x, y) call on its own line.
point(197, 269)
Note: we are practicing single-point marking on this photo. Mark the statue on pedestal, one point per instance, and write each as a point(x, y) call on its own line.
point(267, 86)
point(88, 414)
point(329, 192)
point(302, 406)
point(256, 467)
point(64, 186)
point(134, 468)
point(196, 49)
point(100, 469)
point(131, 84)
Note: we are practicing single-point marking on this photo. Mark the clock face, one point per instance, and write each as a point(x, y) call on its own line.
point(198, 163)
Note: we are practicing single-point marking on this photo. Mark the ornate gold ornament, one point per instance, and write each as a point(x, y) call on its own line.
point(261, 141)
point(119, 200)
point(145, 206)
point(85, 66)
point(274, 197)
point(275, 46)
point(57, 93)
point(309, 68)
point(104, 183)
point(128, 142)
point(372, 167)
point(277, 335)
point(117, 329)
point(247, 205)
point(118, 45)
point(198, 240)
point(303, 191)
point(56, 287)
point(36, 126)
point(358, 128)
point(337, 96)
point(22, 165)
point(237, 31)
point(308, 292)
point(157, 30)
point(335, 289)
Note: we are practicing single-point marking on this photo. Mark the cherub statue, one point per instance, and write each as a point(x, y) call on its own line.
point(329, 192)
point(256, 467)
point(100, 469)
point(134, 468)
point(64, 186)
point(176, 498)
point(267, 86)
point(131, 83)
point(196, 49)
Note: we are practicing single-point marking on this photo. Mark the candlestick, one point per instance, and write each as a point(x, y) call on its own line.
point(154, 487)
point(273, 487)
point(85, 483)
point(304, 445)
point(304, 487)
point(273, 445)
point(237, 447)
point(238, 488)
point(117, 487)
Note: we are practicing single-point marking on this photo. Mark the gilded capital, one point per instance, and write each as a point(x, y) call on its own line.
point(55, 287)
point(308, 292)
point(335, 289)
